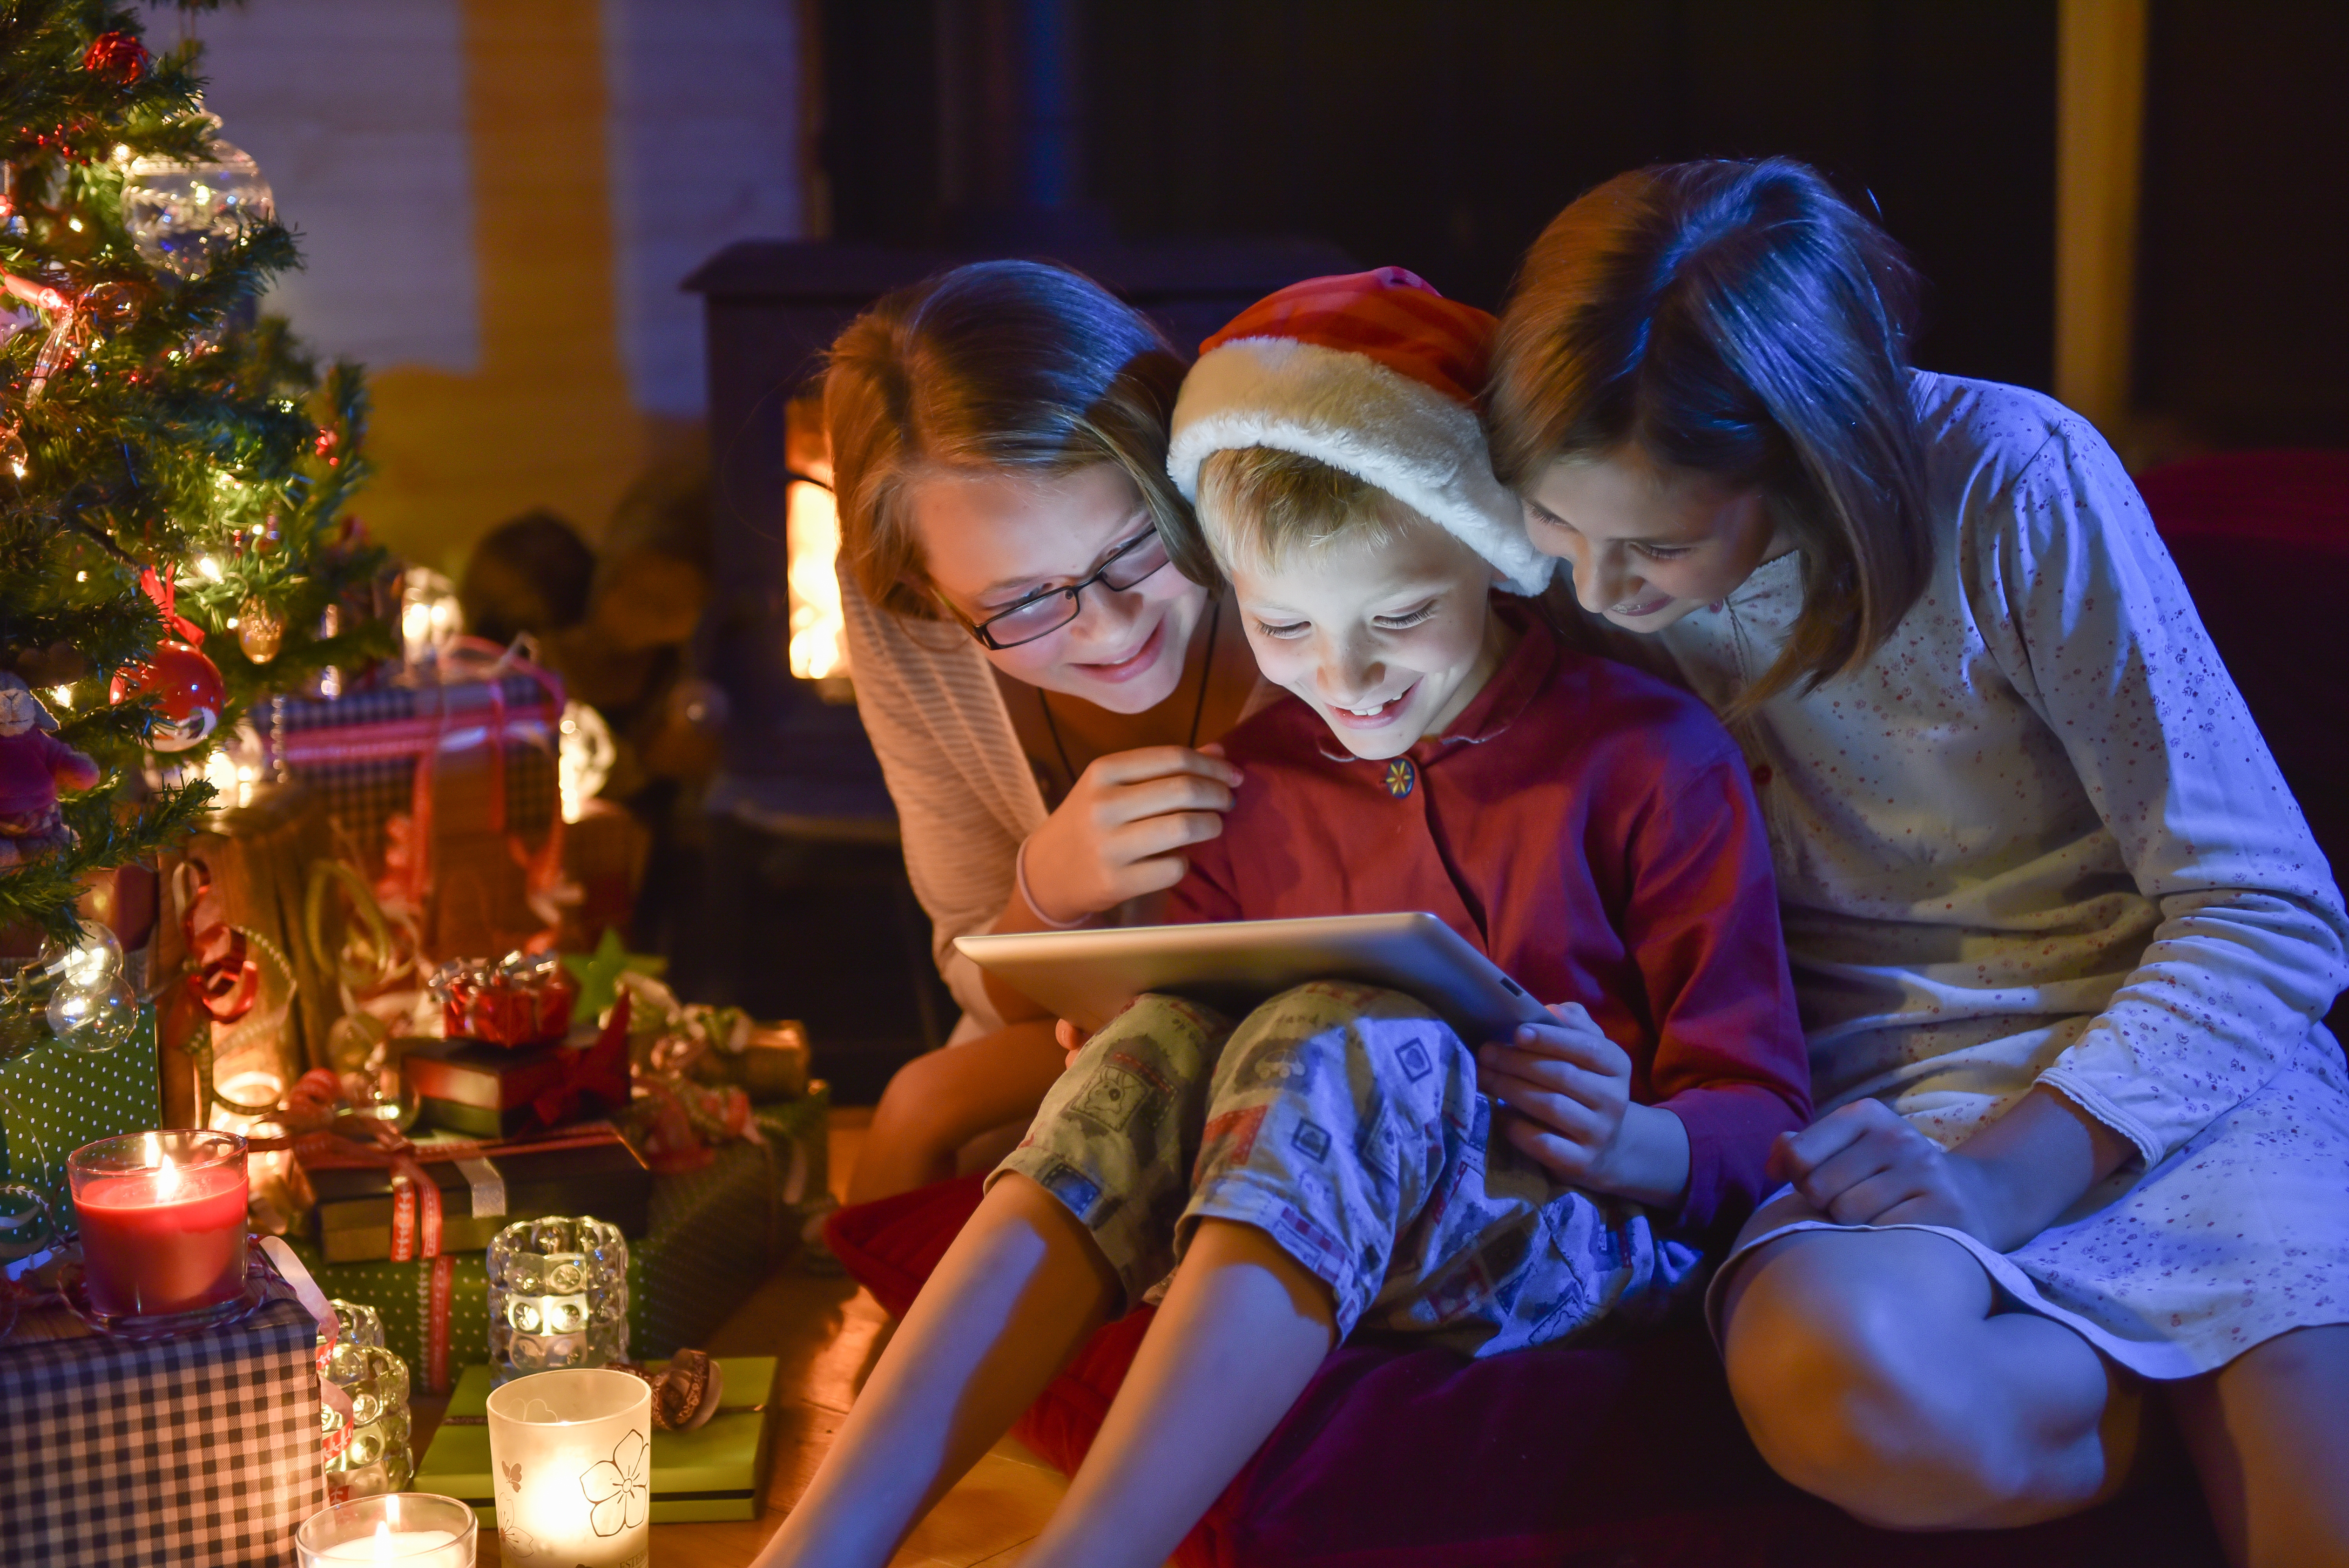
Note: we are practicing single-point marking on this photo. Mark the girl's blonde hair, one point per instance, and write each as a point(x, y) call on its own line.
point(1738, 321)
point(998, 365)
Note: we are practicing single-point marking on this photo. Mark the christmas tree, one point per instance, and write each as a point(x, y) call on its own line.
point(173, 471)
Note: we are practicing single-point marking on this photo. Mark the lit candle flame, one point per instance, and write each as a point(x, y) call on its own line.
point(383, 1539)
point(167, 1179)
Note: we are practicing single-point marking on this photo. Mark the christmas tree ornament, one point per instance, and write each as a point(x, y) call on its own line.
point(92, 1006)
point(66, 338)
point(260, 630)
point(430, 618)
point(187, 690)
point(34, 766)
point(583, 757)
point(109, 306)
point(181, 213)
point(119, 57)
point(14, 456)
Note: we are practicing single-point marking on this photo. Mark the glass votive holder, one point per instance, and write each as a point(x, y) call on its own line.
point(571, 1460)
point(413, 1529)
point(162, 1222)
point(558, 1296)
point(368, 1455)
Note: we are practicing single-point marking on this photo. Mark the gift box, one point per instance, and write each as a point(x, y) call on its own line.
point(448, 790)
point(54, 1099)
point(711, 1238)
point(771, 1063)
point(714, 1471)
point(483, 1187)
point(200, 1449)
point(476, 1090)
point(522, 999)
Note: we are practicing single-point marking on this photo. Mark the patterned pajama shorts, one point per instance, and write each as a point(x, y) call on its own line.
point(1343, 1121)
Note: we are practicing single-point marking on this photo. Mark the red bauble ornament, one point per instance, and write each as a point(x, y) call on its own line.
point(187, 691)
point(119, 57)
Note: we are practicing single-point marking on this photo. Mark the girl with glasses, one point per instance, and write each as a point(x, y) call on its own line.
point(1042, 679)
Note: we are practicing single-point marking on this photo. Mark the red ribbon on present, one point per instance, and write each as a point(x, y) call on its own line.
point(415, 1199)
point(600, 1070)
point(221, 977)
point(166, 594)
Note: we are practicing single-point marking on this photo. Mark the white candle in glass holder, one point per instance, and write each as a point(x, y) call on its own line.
point(412, 1529)
point(571, 1453)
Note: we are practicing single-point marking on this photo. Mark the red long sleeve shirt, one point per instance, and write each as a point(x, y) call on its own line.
point(1594, 832)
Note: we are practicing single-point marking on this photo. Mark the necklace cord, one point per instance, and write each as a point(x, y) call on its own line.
point(1199, 706)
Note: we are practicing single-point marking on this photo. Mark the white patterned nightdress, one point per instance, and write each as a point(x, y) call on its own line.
point(2038, 840)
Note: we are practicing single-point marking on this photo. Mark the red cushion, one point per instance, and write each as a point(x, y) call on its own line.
point(1397, 1457)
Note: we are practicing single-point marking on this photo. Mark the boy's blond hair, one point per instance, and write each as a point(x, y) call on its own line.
point(1262, 507)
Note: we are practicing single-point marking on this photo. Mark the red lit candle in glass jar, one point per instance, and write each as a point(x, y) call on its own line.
point(162, 1221)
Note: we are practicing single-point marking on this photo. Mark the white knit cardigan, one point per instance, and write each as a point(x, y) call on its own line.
point(965, 794)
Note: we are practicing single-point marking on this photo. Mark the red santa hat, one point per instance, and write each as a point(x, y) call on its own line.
point(1375, 374)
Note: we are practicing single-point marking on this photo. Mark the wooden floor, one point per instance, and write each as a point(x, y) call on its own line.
point(827, 1333)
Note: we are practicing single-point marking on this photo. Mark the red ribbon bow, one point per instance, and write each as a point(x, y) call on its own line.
point(160, 588)
point(600, 1070)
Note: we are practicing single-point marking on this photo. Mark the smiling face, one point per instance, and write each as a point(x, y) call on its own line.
point(1648, 547)
point(991, 538)
point(1388, 640)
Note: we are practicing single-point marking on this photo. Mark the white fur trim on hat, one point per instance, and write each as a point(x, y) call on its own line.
point(1420, 446)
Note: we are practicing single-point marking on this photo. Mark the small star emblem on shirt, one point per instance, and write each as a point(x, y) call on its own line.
point(1401, 776)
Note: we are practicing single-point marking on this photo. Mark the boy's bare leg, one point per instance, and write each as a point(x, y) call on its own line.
point(2270, 1434)
point(1012, 1300)
point(1243, 1328)
point(1872, 1370)
point(942, 1099)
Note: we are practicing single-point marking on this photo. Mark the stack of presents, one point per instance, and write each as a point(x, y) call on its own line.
point(396, 969)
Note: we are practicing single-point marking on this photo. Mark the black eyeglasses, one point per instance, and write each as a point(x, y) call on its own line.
point(1041, 615)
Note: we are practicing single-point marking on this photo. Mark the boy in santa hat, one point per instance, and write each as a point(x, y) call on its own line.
point(1330, 1162)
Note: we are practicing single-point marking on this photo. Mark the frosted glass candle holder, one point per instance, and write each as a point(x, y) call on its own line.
point(373, 1456)
point(558, 1296)
point(571, 1458)
point(412, 1529)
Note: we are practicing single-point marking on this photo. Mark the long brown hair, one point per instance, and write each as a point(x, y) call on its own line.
point(1739, 320)
point(1004, 365)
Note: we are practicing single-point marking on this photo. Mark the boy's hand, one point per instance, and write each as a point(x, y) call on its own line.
point(1863, 1164)
point(1566, 1090)
point(1070, 1038)
point(1122, 829)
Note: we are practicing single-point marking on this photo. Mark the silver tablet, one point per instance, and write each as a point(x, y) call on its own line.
point(1087, 977)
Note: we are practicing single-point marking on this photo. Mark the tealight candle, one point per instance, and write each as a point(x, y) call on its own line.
point(413, 1529)
point(571, 1457)
point(162, 1221)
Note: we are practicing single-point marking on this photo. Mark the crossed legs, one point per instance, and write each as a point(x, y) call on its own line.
point(1873, 1369)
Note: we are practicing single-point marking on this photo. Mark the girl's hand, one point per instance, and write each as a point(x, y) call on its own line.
point(1122, 831)
point(1071, 1039)
point(1863, 1164)
point(1566, 1090)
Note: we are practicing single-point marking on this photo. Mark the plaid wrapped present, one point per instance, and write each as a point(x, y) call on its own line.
point(203, 1448)
point(712, 1237)
point(448, 791)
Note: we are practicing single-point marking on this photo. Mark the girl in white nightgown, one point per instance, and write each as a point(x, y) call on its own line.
point(2063, 940)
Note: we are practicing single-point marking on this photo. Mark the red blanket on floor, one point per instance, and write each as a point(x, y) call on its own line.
point(1620, 1455)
